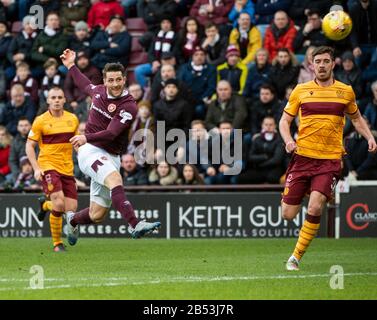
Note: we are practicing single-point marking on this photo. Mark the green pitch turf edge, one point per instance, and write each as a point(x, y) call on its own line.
point(192, 269)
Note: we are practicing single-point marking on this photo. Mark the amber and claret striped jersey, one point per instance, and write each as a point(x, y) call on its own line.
point(321, 112)
point(52, 135)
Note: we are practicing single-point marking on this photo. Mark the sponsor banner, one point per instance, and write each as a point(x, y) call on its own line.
point(182, 215)
point(358, 212)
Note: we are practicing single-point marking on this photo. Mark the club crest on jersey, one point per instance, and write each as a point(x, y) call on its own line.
point(111, 107)
point(104, 158)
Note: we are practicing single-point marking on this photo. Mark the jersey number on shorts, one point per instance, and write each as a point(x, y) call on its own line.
point(96, 164)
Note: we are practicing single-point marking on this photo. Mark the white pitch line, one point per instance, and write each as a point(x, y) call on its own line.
point(172, 280)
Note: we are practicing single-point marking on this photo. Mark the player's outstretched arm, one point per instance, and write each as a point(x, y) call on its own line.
point(68, 58)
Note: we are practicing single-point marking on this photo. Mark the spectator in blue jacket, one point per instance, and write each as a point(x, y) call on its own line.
point(19, 106)
point(200, 76)
point(242, 6)
point(112, 45)
point(265, 9)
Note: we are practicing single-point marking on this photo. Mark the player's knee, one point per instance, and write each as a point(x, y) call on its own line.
point(288, 214)
point(113, 180)
point(58, 205)
point(315, 209)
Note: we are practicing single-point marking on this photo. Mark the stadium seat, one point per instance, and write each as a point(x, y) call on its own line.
point(135, 45)
point(16, 27)
point(262, 29)
point(137, 57)
point(136, 26)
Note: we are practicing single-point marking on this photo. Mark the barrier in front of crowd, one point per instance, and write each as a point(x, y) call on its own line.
point(239, 212)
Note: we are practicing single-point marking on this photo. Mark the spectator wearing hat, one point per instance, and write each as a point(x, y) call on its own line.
point(50, 43)
point(20, 47)
point(19, 106)
point(247, 38)
point(281, 33)
point(189, 37)
point(112, 44)
point(214, 45)
point(17, 148)
point(211, 11)
point(233, 70)
point(227, 107)
point(166, 72)
point(350, 74)
point(75, 97)
point(71, 12)
point(101, 12)
point(80, 40)
point(200, 77)
point(162, 43)
point(173, 109)
point(25, 178)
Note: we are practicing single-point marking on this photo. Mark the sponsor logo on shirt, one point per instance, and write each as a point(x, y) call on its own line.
point(125, 116)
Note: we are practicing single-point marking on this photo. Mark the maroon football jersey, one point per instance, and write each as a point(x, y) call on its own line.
point(109, 117)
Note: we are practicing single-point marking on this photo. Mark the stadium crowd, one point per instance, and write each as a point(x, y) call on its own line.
point(206, 65)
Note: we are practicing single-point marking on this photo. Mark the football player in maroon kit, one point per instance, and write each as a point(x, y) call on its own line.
point(112, 111)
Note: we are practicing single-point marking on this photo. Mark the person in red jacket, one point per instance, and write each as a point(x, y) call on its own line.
point(5, 142)
point(280, 34)
point(101, 12)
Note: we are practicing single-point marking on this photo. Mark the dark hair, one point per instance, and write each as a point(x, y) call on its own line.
point(23, 118)
point(268, 86)
point(114, 67)
point(314, 11)
point(210, 25)
point(286, 50)
point(197, 178)
point(322, 50)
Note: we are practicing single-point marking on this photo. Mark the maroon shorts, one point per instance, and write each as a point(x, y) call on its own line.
point(54, 181)
point(305, 175)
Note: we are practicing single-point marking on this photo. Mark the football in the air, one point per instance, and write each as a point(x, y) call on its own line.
point(336, 25)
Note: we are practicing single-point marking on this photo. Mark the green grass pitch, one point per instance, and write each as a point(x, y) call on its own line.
point(187, 269)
